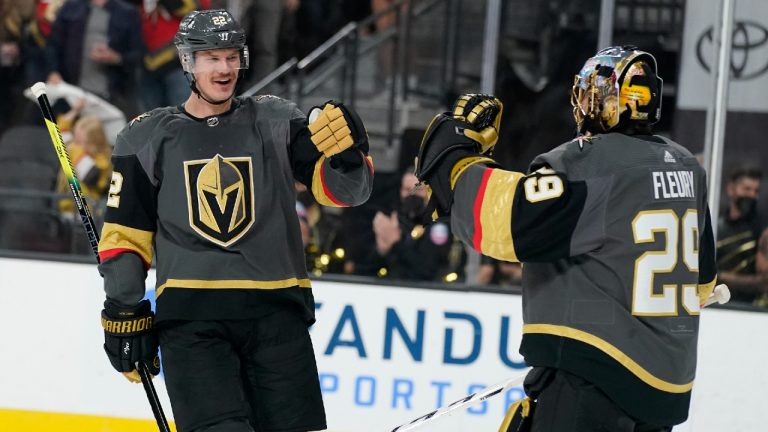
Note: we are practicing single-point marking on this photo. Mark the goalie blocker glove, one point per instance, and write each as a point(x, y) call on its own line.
point(129, 336)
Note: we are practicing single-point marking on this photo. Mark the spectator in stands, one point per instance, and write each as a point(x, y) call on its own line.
point(324, 249)
point(67, 115)
point(163, 82)
point(96, 45)
point(36, 34)
point(13, 16)
point(409, 246)
point(738, 230)
point(761, 266)
point(90, 155)
point(386, 53)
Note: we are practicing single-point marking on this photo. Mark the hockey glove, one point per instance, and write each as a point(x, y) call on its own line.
point(443, 147)
point(130, 338)
point(335, 128)
point(483, 114)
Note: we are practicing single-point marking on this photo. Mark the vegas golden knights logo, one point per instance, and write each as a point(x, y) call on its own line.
point(220, 197)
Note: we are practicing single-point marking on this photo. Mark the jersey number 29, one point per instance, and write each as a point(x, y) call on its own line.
point(645, 300)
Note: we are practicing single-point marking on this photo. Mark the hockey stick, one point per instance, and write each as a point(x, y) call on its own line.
point(38, 89)
point(464, 402)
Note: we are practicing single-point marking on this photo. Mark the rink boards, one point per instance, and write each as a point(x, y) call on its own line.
point(385, 355)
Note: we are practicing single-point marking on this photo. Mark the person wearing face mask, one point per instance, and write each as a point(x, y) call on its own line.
point(409, 246)
point(737, 232)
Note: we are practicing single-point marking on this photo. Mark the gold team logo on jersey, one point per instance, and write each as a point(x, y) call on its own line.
point(220, 197)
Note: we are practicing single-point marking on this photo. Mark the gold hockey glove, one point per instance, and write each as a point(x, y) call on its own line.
point(483, 115)
point(335, 128)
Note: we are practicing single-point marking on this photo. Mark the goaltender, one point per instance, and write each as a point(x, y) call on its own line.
point(615, 236)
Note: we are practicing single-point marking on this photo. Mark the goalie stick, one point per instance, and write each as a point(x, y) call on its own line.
point(38, 89)
point(720, 295)
point(465, 402)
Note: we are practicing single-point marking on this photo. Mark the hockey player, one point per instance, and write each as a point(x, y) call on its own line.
point(208, 186)
point(615, 236)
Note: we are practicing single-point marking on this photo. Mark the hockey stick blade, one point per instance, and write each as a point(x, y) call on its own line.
point(39, 90)
point(465, 402)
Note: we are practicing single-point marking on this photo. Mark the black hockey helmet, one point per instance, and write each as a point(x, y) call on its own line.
point(206, 30)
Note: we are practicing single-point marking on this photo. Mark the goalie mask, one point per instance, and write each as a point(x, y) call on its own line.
point(208, 30)
point(617, 88)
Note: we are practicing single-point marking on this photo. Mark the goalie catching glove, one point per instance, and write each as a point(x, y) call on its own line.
point(483, 113)
point(454, 141)
point(130, 338)
point(335, 128)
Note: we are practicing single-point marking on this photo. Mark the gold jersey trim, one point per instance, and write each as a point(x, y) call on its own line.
point(611, 351)
point(116, 236)
point(496, 215)
point(233, 284)
point(320, 189)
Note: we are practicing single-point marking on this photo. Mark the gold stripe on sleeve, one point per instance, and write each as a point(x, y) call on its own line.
point(233, 284)
point(611, 351)
point(320, 189)
point(496, 215)
point(116, 236)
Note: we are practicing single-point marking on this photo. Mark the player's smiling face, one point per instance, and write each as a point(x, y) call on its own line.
point(216, 72)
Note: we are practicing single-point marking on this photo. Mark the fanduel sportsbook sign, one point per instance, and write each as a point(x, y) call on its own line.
point(748, 62)
point(387, 355)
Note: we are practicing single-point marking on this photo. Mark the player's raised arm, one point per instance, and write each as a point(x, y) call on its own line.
point(503, 214)
point(329, 154)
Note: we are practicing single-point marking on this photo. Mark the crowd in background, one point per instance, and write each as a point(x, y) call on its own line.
point(121, 52)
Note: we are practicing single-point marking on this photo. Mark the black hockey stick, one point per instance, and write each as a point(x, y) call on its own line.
point(38, 89)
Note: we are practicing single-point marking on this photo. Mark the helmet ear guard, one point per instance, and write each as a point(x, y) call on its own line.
point(642, 92)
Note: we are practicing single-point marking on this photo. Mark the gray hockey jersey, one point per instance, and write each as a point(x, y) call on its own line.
point(213, 201)
point(616, 240)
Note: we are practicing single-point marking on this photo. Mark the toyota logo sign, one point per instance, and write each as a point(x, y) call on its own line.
point(749, 50)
